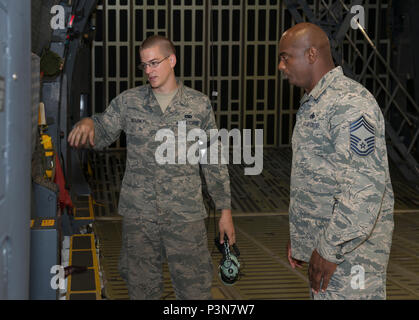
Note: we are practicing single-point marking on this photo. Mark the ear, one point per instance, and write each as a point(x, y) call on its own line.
point(172, 60)
point(312, 55)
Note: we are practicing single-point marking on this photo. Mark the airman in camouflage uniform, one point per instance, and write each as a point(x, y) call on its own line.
point(341, 197)
point(162, 204)
point(147, 185)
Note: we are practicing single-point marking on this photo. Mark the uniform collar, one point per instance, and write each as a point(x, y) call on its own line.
point(180, 98)
point(323, 84)
point(180, 95)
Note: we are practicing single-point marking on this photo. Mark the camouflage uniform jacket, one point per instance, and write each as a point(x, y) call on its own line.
point(153, 191)
point(341, 197)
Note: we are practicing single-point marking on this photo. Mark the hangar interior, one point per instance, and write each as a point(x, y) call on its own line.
point(59, 205)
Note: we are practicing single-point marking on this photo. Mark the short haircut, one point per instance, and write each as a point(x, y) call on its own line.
point(165, 45)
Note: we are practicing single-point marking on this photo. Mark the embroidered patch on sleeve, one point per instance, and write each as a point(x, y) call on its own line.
point(362, 137)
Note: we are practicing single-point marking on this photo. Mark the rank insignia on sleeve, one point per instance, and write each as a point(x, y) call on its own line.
point(362, 137)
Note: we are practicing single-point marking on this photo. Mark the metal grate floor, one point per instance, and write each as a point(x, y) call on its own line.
point(260, 214)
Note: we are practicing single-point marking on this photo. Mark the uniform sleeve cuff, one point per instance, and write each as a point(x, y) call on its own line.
point(329, 252)
point(220, 205)
point(98, 134)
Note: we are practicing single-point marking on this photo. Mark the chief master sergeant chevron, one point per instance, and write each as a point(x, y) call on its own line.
point(161, 203)
point(341, 197)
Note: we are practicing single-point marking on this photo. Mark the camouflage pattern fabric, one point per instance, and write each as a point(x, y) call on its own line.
point(157, 192)
point(147, 245)
point(344, 285)
point(341, 197)
point(162, 204)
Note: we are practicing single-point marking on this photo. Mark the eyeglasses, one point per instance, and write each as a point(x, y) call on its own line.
point(152, 64)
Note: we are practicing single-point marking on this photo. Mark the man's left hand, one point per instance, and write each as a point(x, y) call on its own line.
point(320, 269)
point(226, 226)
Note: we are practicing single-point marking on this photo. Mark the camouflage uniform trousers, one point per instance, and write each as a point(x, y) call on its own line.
point(145, 247)
point(345, 285)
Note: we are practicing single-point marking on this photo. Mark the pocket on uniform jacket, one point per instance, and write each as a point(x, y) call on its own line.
point(185, 196)
point(185, 126)
point(187, 186)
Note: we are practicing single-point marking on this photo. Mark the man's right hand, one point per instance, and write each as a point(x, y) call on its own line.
point(293, 262)
point(83, 132)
